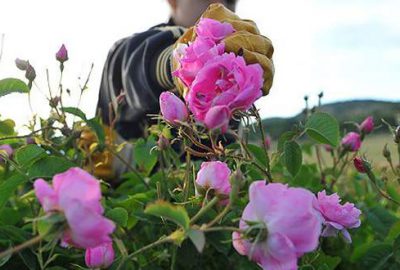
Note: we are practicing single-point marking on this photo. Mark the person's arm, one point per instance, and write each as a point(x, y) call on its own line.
point(139, 66)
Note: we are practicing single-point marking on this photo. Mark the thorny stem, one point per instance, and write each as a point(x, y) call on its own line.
point(371, 176)
point(22, 246)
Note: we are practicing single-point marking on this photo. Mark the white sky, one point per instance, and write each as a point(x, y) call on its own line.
point(348, 48)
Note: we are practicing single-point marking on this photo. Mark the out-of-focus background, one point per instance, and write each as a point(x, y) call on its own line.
point(350, 49)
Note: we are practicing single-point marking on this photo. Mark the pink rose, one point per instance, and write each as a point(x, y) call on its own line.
point(359, 165)
point(172, 108)
point(225, 80)
point(285, 221)
point(193, 57)
point(213, 29)
point(351, 142)
point(214, 175)
point(337, 217)
point(76, 194)
point(367, 126)
point(62, 54)
point(100, 257)
point(268, 141)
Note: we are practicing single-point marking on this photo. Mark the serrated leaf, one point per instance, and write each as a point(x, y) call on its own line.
point(29, 153)
point(145, 158)
point(258, 153)
point(12, 85)
point(292, 157)
point(176, 214)
point(381, 220)
point(323, 128)
point(198, 239)
point(288, 135)
point(76, 112)
point(119, 215)
point(377, 257)
point(9, 186)
point(49, 166)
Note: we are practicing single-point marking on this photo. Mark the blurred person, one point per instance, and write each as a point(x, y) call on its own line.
point(140, 66)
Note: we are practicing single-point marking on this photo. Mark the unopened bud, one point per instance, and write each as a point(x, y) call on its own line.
point(386, 153)
point(163, 142)
point(21, 64)
point(361, 165)
point(397, 135)
point(30, 73)
point(54, 101)
point(62, 54)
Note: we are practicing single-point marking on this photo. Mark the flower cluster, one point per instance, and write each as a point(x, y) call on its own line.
point(218, 83)
point(270, 233)
point(76, 195)
point(352, 141)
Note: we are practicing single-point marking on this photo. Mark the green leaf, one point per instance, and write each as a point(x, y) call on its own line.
point(119, 215)
point(258, 153)
point(29, 153)
point(381, 220)
point(323, 128)
point(12, 85)
point(145, 158)
point(177, 214)
point(394, 232)
point(7, 128)
point(292, 157)
point(308, 178)
point(377, 257)
point(95, 125)
point(49, 166)
point(76, 112)
point(198, 239)
point(288, 135)
point(9, 186)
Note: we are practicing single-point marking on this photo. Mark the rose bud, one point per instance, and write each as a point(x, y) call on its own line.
point(360, 165)
point(351, 142)
point(218, 118)
point(100, 257)
point(30, 73)
point(5, 150)
point(214, 175)
point(328, 148)
point(172, 108)
point(367, 126)
point(397, 135)
point(21, 64)
point(62, 54)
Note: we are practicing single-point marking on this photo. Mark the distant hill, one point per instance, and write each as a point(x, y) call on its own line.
point(355, 110)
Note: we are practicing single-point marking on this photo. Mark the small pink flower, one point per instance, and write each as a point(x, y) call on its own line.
point(292, 225)
point(100, 257)
point(214, 175)
point(6, 150)
point(193, 57)
point(226, 80)
point(327, 147)
point(62, 54)
point(218, 118)
point(337, 217)
point(76, 194)
point(367, 126)
point(213, 29)
point(172, 108)
point(352, 141)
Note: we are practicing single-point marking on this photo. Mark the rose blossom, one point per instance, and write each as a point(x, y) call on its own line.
point(351, 141)
point(367, 126)
point(291, 225)
point(214, 175)
point(76, 194)
point(172, 108)
point(100, 257)
point(193, 57)
point(218, 118)
point(212, 29)
point(227, 81)
point(337, 217)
